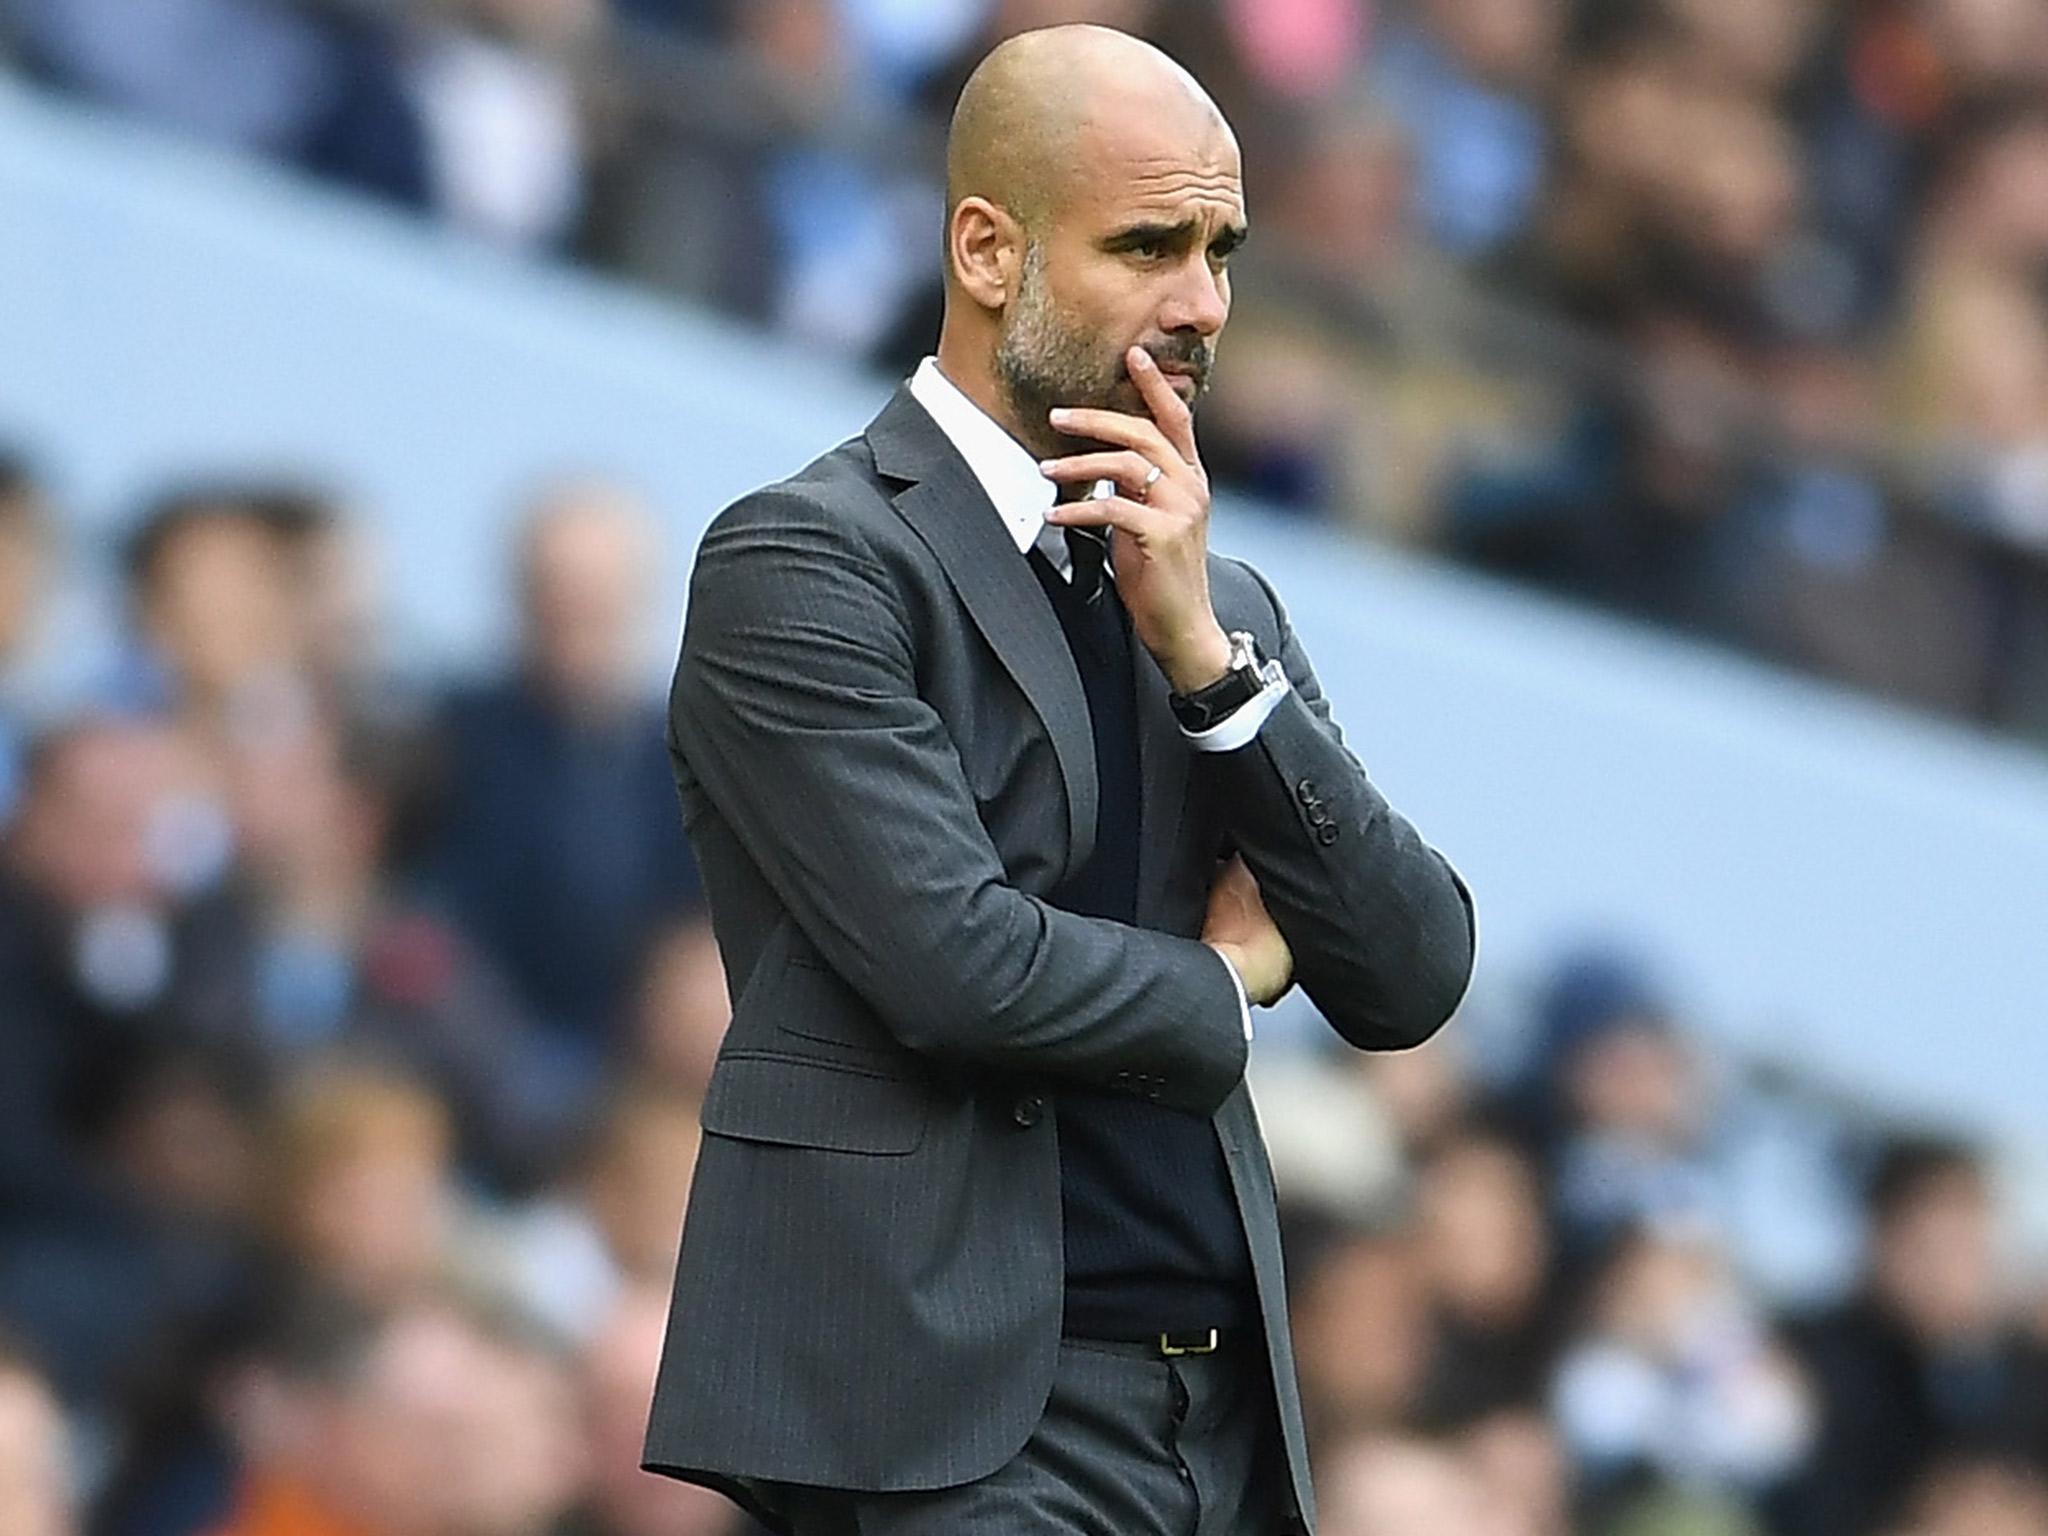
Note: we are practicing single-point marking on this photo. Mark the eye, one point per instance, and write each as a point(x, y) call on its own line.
point(1151, 248)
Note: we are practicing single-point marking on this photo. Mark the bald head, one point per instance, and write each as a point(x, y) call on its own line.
point(585, 561)
point(1032, 110)
point(1094, 197)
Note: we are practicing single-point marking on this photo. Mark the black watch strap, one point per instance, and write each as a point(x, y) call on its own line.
point(1208, 707)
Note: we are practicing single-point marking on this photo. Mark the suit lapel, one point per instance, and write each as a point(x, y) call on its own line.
point(1163, 773)
point(943, 501)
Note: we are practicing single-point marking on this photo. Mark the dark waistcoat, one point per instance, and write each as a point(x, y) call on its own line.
point(1153, 1239)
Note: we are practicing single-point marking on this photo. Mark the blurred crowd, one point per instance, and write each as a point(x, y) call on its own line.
point(353, 1026)
point(352, 1037)
point(1729, 314)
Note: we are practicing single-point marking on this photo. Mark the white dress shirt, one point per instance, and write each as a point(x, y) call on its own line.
point(1022, 496)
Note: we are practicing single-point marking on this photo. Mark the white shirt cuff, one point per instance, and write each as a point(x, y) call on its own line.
point(1244, 1003)
point(1243, 723)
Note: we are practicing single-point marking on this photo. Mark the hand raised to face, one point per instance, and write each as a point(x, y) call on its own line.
point(1160, 512)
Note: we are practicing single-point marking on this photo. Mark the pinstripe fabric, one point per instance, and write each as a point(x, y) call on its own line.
point(884, 760)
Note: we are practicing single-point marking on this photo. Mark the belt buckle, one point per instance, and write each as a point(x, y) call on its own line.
point(1207, 1346)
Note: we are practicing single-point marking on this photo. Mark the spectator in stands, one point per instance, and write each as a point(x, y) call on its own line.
point(848, 230)
point(181, 1133)
point(1467, 83)
point(340, 958)
point(614, 1223)
point(617, 1379)
point(311, 86)
point(1427, 1093)
point(1485, 1251)
point(522, 1459)
point(681, 1009)
point(1927, 1360)
point(360, 1421)
point(24, 535)
point(1677, 1376)
point(1753, 214)
point(105, 974)
point(1982, 395)
point(331, 573)
point(1364, 1342)
point(219, 643)
point(37, 1495)
point(1389, 1485)
point(361, 1193)
point(1621, 1103)
point(1301, 415)
point(494, 89)
point(902, 46)
point(559, 848)
point(103, 950)
point(639, 1181)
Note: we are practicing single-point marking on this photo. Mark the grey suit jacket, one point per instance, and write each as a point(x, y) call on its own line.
point(885, 760)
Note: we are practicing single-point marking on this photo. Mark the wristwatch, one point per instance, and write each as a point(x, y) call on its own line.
point(1249, 675)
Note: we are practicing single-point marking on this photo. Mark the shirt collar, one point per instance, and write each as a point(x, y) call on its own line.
point(1007, 472)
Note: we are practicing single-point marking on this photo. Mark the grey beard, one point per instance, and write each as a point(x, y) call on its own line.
point(1041, 363)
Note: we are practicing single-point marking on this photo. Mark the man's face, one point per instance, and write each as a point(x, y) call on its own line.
point(584, 588)
point(1935, 1264)
point(219, 606)
point(1134, 254)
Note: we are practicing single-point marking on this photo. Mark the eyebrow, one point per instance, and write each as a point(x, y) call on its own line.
point(1228, 239)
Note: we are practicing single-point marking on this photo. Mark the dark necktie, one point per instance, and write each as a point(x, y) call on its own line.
point(1089, 551)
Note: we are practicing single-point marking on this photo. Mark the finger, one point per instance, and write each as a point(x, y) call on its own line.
point(1139, 433)
point(1120, 512)
point(1171, 412)
point(1127, 469)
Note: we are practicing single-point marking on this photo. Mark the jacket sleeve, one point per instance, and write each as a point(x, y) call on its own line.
point(1380, 925)
point(796, 707)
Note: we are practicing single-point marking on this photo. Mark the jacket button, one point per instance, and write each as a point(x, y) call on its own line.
point(1326, 834)
point(1305, 791)
point(1028, 1110)
point(1318, 815)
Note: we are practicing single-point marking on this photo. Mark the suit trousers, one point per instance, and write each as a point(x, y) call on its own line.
point(1132, 1443)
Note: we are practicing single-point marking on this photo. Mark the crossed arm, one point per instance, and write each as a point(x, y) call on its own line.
point(1379, 925)
point(796, 707)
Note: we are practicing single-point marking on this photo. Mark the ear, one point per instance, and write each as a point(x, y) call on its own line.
point(985, 247)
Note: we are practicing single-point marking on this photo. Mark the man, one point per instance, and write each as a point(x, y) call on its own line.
point(1925, 1363)
point(556, 844)
point(615, 1373)
point(982, 1236)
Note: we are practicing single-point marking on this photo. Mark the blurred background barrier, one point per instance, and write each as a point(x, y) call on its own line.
point(1643, 408)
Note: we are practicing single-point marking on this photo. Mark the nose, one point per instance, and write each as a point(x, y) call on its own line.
point(1199, 302)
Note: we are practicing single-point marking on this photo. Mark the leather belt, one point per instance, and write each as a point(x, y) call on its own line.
point(1199, 1341)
